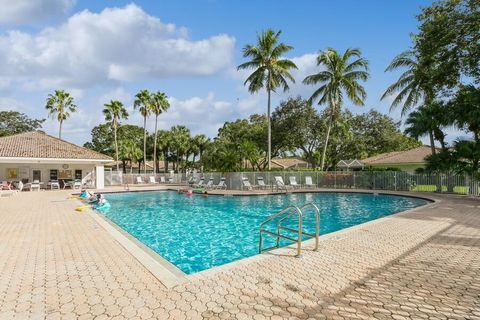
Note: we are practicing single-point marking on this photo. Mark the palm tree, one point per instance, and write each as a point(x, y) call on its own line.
point(180, 142)
point(428, 120)
point(164, 140)
point(143, 102)
point(412, 87)
point(60, 105)
point(338, 77)
point(201, 141)
point(271, 71)
point(159, 105)
point(114, 112)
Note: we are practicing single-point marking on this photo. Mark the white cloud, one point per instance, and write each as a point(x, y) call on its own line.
point(32, 11)
point(115, 45)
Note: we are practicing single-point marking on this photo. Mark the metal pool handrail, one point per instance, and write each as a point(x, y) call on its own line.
point(287, 213)
point(287, 210)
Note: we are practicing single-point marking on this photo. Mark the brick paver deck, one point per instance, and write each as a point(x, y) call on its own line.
point(57, 263)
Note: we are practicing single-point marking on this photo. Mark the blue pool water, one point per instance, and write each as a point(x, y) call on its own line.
point(197, 233)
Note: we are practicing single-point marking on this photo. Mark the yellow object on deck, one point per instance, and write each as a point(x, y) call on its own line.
point(80, 209)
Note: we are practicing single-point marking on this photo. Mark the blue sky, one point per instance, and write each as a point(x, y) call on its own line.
point(102, 50)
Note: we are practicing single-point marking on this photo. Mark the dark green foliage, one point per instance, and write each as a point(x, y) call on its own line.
point(13, 122)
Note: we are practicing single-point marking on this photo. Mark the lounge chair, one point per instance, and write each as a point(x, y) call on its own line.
point(246, 184)
point(151, 179)
point(209, 184)
point(261, 183)
point(293, 182)
point(309, 182)
point(54, 184)
point(139, 180)
point(280, 184)
point(170, 180)
point(222, 184)
point(77, 184)
point(162, 179)
point(200, 183)
point(6, 185)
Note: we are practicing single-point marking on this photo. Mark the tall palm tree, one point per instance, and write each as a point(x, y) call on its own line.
point(143, 102)
point(338, 77)
point(180, 142)
point(159, 105)
point(270, 70)
point(164, 140)
point(130, 150)
point(201, 141)
point(114, 112)
point(60, 105)
point(412, 87)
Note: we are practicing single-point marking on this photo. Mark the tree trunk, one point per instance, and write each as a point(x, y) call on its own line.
point(269, 153)
point(165, 155)
point(432, 142)
point(116, 142)
point(124, 163)
point(144, 146)
point(60, 130)
point(155, 147)
point(139, 165)
point(327, 137)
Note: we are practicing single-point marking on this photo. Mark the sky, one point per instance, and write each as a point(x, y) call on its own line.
point(111, 49)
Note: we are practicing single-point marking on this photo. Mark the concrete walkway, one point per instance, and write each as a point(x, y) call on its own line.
point(56, 263)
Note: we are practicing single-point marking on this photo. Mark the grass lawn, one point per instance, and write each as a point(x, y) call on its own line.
point(433, 188)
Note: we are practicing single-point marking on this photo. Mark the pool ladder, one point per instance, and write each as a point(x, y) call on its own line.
point(282, 216)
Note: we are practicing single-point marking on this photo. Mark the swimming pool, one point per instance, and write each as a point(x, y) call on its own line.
point(198, 233)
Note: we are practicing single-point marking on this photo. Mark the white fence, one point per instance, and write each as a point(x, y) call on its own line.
point(380, 180)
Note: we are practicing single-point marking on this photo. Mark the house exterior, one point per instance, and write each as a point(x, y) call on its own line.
point(282, 163)
point(38, 156)
point(408, 160)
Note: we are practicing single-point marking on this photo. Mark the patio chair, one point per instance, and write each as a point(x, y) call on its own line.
point(222, 184)
point(77, 184)
point(170, 180)
point(151, 179)
point(261, 183)
point(162, 179)
point(293, 182)
point(54, 184)
point(200, 183)
point(309, 182)
point(246, 183)
point(209, 184)
point(280, 184)
point(139, 180)
point(35, 185)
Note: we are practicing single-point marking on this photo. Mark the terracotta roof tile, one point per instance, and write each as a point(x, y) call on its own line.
point(37, 144)
point(416, 155)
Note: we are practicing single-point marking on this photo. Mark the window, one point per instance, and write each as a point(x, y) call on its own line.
point(53, 174)
point(37, 175)
point(78, 174)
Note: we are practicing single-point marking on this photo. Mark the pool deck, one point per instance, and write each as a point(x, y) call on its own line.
point(57, 263)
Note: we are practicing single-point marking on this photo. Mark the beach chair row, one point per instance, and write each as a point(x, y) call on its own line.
point(278, 183)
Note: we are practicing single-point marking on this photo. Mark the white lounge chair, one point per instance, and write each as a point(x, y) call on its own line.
point(309, 182)
point(280, 184)
point(261, 183)
point(162, 179)
point(246, 184)
point(54, 184)
point(170, 179)
point(151, 179)
point(139, 180)
point(293, 182)
point(222, 184)
point(77, 184)
point(200, 183)
point(209, 184)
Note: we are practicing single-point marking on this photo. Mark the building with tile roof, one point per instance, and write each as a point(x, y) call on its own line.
point(38, 156)
point(408, 160)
